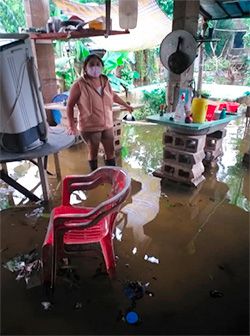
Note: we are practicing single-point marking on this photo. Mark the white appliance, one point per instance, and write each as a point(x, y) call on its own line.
point(23, 123)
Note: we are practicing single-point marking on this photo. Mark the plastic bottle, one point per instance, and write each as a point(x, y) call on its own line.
point(223, 113)
point(180, 112)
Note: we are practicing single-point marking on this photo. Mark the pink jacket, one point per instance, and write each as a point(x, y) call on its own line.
point(95, 109)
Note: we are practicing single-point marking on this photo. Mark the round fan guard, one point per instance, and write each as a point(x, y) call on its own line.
point(169, 45)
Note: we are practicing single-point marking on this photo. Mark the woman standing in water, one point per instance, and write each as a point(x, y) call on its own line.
point(93, 95)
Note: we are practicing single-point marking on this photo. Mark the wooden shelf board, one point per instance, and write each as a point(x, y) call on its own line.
point(73, 34)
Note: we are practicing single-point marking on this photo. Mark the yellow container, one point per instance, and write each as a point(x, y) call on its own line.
point(199, 109)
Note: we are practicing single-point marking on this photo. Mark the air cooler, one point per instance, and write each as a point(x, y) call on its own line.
point(23, 123)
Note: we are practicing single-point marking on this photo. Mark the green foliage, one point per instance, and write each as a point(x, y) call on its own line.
point(113, 60)
point(152, 101)
point(12, 15)
point(167, 6)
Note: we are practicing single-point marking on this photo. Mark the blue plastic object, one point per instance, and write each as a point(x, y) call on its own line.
point(132, 317)
point(56, 114)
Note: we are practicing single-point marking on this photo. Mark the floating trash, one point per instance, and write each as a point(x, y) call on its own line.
point(46, 305)
point(151, 259)
point(132, 317)
point(134, 290)
point(35, 213)
point(216, 294)
point(17, 263)
point(134, 251)
point(149, 293)
point(28, 268)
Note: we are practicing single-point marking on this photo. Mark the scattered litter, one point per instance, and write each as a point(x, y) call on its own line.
point(17, 263)
point(154, 278)
point(127, 265)
point(46, 305)
point(151, 259)
point(35, 213)
point(216, 294)
point(28, 267)
point(78, 305)
point(134, 290)
point(134, 251)
point(132, 317)
point(149, 293)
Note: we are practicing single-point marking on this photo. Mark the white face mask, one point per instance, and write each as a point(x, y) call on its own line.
point(94, 71)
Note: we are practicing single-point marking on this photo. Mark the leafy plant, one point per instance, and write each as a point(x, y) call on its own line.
point(153, 99)
point(167, 6)
point(114, 60)
point(12, 15)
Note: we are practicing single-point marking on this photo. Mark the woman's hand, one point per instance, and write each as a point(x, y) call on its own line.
point(72, 130)
point(130, 108)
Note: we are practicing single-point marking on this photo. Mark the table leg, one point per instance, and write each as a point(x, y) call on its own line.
point(44, 178)
point(57, 166)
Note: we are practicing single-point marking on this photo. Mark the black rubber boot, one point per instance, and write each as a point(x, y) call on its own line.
point(93, 165)
point(110, 162)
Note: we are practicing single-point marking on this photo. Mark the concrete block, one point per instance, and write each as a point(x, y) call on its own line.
point(182, 158)
point(117, 143)
point(189, 143)
point(218, 134)
point(213, 144)
point(182, 174)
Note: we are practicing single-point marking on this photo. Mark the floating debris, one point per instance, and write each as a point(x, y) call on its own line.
point(134, 290)
point(35, 212)
point(216, 294)
point(149, 293)
point(134, 251)
point(132, 317)
point(46, 305)
point(151, 259)
point(17, 263)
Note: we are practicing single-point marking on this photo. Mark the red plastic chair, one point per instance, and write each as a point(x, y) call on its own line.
point(74, 225)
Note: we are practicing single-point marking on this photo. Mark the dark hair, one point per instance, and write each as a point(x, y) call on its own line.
point(89, 57)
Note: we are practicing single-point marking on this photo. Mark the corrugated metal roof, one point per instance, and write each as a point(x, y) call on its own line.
point(225, 9)
point(152, 25)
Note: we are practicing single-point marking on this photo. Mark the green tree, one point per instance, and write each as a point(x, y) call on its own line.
point(167, 6)
point(12, 15)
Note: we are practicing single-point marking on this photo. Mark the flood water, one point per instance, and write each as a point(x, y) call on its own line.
point(182, 242)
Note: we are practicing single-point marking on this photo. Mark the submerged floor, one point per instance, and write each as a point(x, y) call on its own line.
point(180, 241)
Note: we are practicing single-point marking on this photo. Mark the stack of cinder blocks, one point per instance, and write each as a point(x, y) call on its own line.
point(213, 146)
point(182, 157)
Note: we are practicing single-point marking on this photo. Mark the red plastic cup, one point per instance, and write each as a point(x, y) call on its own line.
point(210, 111)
